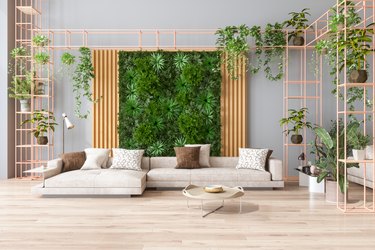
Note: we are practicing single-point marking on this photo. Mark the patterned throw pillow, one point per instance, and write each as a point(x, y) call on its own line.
point(252, 159)
point(127, 159)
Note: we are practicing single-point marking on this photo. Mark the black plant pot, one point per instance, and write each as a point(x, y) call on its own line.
point(42, 140)
point(296, 139)
point(358, 76)
point(298, 41)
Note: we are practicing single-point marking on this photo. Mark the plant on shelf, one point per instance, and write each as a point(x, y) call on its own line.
point(358, 140)
point(19, 51)
point(82, 77)
point(41, 58)
point(40, 41)
point(232, 42)
point(274, 41)
point(20, 89)
point(43, 121)
point(326, 157)
point(296, 118)
point(299, 22)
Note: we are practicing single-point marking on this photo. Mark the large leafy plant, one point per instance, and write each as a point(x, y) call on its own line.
point(233, 44)
point(326, 152)
point(82, 77)
point(169, 99)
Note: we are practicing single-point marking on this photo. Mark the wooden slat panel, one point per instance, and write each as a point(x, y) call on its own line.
point(105, 86)
point(233, 111)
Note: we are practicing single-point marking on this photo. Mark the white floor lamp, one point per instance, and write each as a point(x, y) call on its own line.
point(68, 125)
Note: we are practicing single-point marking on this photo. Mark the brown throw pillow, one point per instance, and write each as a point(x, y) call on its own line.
point(266, 167)
point(187, 157)
point(73, 161)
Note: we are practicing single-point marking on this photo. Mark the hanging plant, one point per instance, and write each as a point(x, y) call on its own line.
point(232, 42)
point(40, 41)
point(41, 58)
point(256, 34)
point(82, 77)
point(274, 41)
point(67, 59)
point(19, 51)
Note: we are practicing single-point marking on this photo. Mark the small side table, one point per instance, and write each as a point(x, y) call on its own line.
point(39, 170)
point(310, 181)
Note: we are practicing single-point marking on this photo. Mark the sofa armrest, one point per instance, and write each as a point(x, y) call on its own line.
point(54, 167)
point(276, 169)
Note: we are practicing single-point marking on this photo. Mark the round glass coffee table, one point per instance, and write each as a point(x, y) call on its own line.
point(198, 193)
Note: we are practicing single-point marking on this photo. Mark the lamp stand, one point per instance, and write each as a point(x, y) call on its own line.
point(63, 137)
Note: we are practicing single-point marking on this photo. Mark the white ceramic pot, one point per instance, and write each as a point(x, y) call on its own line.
point(331, 192)
point(359, 155)
point(25, 105)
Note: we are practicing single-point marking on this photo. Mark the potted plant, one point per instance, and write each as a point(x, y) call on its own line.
point(326, 159)
point(299, 22)
point(40, 40)
point(20, 90)
point(43, 121)
point(232, 42)
point(297, 120)
point(358, 141)
point(41, 58)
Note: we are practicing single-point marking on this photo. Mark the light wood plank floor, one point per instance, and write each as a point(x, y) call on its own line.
point(272, 219)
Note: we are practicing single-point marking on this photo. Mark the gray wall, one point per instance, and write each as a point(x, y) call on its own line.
point(6, 105)
point(265, 97)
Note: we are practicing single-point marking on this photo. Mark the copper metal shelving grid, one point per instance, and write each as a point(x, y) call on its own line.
point(366, 9)
point(29, 155)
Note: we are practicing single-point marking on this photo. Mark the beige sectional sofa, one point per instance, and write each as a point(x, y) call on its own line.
point(157, 172)
point(357, 174)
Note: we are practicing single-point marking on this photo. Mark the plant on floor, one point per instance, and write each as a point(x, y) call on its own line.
point(169, 99)
point(40, 41)
point(297, 119)
point(43, 121)
point(232, 42)
point(326, 152)
point(274, 40)
point(82, 77)
point(256, 34)
point(299, 22)
point(41, 58)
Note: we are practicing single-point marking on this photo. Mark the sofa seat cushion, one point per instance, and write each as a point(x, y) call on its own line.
point(168, 174)
point(120, 178)
point(214, 175)
point(245, 175)
point(73, 179)
point(359, 172)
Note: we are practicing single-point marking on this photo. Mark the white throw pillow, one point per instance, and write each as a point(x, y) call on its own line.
point(204, 154)
point(252, 159)
point(102, 153)
point(369, 151)
point(127, 159)
point(93, 161)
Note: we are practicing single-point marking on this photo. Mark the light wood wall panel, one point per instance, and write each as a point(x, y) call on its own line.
point(233, 110)
point(105, 87)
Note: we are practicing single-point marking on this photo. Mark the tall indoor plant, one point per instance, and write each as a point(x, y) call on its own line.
point(43, 121)
point(296, 118)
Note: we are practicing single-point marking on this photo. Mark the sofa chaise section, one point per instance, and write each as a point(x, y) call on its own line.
point(357, 174)
point(92, 182)
point(222, 171)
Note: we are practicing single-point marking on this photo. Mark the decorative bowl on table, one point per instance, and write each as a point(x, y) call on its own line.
point(213, 189)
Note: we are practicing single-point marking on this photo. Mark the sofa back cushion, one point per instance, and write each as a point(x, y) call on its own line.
point(145, 165)
point(215, 161)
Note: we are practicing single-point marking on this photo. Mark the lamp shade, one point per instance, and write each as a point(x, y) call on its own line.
point(68, 123)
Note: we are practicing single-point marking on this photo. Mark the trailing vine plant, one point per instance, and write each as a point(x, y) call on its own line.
point(274, 41)
point(82, 77)
point(232, 42)
point(256, 34)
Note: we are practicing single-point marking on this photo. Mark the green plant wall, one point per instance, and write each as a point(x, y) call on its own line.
point(169, 99)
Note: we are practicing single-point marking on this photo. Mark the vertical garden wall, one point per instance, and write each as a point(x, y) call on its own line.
point(168, 99)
